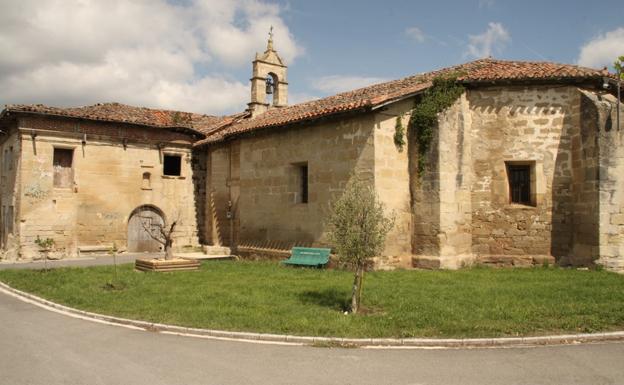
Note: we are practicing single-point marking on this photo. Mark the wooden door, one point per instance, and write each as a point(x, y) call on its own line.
point(143, 220)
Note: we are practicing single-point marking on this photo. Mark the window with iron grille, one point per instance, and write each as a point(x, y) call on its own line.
point(519, 183)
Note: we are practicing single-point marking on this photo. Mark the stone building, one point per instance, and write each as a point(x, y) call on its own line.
point(525, 167)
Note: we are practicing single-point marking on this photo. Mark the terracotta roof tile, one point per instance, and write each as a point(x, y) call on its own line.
point(483, 70)
point(217, 128)
point(116, 112)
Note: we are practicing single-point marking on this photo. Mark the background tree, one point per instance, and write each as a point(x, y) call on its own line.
point(619, 70)
point(358, 231)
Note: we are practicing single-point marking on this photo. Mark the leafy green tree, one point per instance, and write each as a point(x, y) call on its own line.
point(358, 232)
point(619, 67)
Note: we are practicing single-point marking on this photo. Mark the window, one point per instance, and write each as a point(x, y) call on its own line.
point(172, 165)
point(63, 172)
point(8, 161)
point(303, 180)
point(519, 176)
point(146, 183)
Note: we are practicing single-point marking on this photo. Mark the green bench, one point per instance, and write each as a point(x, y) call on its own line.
point(308, 256)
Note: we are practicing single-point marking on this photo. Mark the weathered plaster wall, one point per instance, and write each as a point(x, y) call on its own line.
point(108, 184)
point(9, 194)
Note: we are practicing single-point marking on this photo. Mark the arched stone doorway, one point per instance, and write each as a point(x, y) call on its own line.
point(142, 219)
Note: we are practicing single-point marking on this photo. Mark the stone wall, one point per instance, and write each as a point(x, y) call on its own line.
point(270, 203)
point(198, 167)
point(260, 176)
point(461, 203)
point(222, 181)
point(108, 176)
point(533, 125)
point(599, 184)
point(442, 198)
point(392, 177)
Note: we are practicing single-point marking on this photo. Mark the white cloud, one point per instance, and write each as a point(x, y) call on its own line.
point(486, 3)
point(339, 83)
point(300, 97)
point(603, 49)
point(416, 34)
point(146, 52)
point(495, 38)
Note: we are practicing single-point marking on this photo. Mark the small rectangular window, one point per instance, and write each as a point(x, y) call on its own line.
point(303, 179)
point(63, 171)
point(172, 165)
point(519, 183)
point(10, 158)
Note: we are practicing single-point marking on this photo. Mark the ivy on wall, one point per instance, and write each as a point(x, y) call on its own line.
point(399, 134)
point(440, 96)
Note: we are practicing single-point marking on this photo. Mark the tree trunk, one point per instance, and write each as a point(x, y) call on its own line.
point(168, 251)
point(356, 294)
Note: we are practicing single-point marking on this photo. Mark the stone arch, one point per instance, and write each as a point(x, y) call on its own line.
point(144, 218)
point(274, 79)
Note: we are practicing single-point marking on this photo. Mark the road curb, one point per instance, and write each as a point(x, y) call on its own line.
point(564, 339)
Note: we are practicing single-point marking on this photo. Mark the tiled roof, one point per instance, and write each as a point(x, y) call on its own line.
point(488, 70)
point(116, 112)
point(217, 128)
point(483, 70)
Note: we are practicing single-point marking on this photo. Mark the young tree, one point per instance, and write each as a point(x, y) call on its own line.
point(164, 236)
point(358, 231)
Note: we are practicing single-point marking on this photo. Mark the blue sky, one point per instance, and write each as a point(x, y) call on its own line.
point(195, 55)
point(368, 39)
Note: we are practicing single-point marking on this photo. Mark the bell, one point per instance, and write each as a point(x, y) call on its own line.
point(269, 86)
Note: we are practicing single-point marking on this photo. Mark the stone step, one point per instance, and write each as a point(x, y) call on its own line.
point(207, 257)
point(86, 250)
point(216, 250)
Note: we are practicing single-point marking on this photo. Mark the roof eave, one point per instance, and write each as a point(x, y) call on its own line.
point(540, 81)
point(315, 119)
point(175, 128)
point(398, 99)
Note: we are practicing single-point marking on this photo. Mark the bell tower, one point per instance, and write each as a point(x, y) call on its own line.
point(269, 88)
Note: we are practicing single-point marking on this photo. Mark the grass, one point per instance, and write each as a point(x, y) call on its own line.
point(266, 297)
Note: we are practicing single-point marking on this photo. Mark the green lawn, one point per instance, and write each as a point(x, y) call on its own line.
point(266, 297)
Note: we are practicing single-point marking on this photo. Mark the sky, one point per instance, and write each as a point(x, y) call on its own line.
point(195, 55)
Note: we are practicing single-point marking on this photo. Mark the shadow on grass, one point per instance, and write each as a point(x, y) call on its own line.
point(332, 298)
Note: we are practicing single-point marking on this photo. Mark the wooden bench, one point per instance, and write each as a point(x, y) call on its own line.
point(308, 256)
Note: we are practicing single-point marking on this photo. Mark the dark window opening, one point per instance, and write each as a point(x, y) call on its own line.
point(62, 164)
point(519, 183)
point(146, 183)
point(172, 165)
point(303, 177)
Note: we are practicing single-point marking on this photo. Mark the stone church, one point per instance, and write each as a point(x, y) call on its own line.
point(525, 167)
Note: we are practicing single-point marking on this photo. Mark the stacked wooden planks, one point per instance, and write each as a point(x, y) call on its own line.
point(178, 264)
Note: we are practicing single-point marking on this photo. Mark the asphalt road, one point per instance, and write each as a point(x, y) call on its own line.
point(42, 347)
